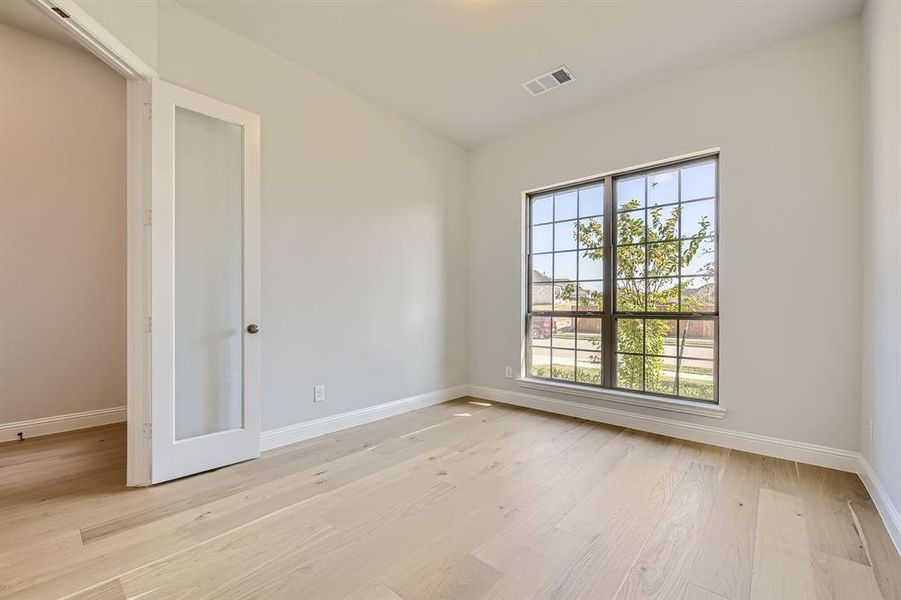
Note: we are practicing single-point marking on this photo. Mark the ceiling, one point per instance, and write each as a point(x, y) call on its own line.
point(457, 66)
point(24, 15)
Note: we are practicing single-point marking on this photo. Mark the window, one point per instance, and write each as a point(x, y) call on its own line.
point(622, 282)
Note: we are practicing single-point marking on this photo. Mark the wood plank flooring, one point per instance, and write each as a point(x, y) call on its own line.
point(462, 500)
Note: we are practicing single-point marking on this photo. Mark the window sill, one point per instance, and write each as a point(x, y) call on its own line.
point(703, 409)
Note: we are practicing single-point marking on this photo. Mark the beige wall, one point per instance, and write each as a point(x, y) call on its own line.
point(363, 221)
point(62, 230)
point(363, 230)
point(787, 120)
point(881, 423)
point(329, 155)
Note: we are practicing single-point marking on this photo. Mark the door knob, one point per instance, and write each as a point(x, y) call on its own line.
point(253, 328)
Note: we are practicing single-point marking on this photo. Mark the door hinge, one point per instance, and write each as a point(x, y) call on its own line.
point(149, 106)
point(148, 325)
point(148, 430)
point(148, 217)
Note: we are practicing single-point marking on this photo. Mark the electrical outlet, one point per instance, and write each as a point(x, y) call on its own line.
point(318, 393)
point(508, 372)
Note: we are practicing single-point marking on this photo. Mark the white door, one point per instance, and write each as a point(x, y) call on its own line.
point(205, 282)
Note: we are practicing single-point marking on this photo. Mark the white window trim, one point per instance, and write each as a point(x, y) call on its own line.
point(688, 407)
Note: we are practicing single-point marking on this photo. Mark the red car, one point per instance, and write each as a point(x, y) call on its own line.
point(542, 327)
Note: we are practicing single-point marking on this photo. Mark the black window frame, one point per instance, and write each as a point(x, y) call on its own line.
point(610, 316)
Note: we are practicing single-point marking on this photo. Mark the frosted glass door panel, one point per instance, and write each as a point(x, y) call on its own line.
point(208, 216)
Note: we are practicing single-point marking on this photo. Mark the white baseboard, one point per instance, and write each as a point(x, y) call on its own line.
point(824, 456)
point(275, 438)
point(887, 509)
point(61, 423)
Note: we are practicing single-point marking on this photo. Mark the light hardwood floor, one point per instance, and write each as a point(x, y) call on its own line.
point(462, 500)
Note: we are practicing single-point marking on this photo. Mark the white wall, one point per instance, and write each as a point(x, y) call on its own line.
point(786, 118)
point(882, 246)
point(339, 173)
point(364, 286)
point(62, 230)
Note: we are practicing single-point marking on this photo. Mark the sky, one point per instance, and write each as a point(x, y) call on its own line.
point(696, 183)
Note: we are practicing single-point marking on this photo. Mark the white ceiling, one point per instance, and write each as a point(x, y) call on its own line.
point(24, 15)
point(456, 67)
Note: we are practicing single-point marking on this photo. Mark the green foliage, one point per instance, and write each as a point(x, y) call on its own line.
point(696, 389)
point(563, 372)
point(658, 259)
point(649, 250)
point(635, 370)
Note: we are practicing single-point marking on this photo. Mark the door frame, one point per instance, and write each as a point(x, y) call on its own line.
point(139, 77)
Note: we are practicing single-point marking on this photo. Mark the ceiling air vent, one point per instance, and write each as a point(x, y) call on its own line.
point(548, 81)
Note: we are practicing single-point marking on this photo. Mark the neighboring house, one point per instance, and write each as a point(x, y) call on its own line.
point(543, 295)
